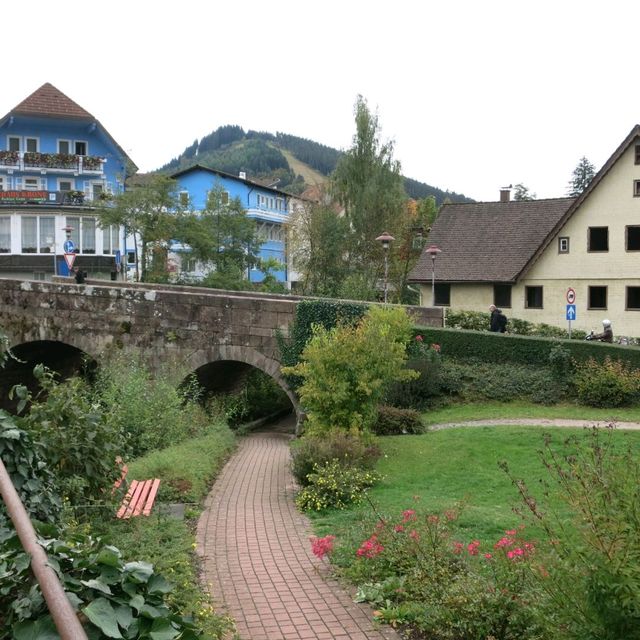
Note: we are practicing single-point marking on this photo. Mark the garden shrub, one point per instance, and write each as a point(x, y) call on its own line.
point(395, 421)
point(347, 370)
point(606, 384)
point(349, 450)
point(79, 445)
point(115, 599)
point(591, 576)
point(334, 486)
point(153, 412)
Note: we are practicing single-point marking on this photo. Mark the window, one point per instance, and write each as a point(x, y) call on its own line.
point(31, 144)
point(633, 238)
point(633, 298)
point(597, 298)
point(65, 185)
point(29, 228)
point(636, 188)
point(442, 294)
point(502, 295)
point(5, 234)
point(47, 233)
point(224, 197)
point(14, 143)
point(80, 148)
point(638, 154)
point(598, 239)
point(563, 245)
point(88, 226)
point(533, 297)
point(3, 183)
point(188, 264)
point(184, 198)
point(110, 239)
point(31, 184)
point(64, 146)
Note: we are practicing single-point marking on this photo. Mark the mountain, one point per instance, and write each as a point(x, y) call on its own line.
point(288, 162)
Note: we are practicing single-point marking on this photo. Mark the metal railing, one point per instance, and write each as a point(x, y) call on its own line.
point(64, 617)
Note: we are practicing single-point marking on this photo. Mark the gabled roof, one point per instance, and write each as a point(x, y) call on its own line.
point(489, 241)
point(50, 102)
point(223, 174)
point(597, 179)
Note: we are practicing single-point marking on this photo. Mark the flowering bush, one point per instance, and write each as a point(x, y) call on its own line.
point(448, 588)
point(322, 546)
point(332, 485)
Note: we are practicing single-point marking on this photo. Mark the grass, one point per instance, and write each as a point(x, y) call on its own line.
point(517, 410)
point(445, 467)
point(187, 471)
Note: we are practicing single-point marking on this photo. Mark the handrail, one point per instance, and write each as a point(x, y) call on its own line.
point(64, 617)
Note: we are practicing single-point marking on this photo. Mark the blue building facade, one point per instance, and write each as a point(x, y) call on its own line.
point(56, 163)
point(268, 206)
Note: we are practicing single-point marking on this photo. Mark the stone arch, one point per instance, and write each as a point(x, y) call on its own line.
point(249, 356)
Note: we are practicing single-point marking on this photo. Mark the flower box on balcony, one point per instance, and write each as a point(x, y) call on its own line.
point(9, 158)
point(50, 160)
point(92, 163)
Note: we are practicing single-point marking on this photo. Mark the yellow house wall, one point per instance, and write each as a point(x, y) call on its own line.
point(611, 204)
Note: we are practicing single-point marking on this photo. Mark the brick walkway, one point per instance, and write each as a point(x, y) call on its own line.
point(257, 557)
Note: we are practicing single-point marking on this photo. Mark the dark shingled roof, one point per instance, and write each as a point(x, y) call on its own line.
point(51, 102)
point(489, 241)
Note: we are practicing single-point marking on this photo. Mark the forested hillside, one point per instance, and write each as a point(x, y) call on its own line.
point(260, 155)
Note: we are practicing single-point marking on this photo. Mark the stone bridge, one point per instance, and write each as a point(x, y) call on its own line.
point(219, 335)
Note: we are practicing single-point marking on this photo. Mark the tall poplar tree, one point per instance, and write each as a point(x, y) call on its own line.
point(368, 184)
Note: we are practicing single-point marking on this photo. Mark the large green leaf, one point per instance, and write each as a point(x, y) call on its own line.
point(109, 556)
point(101, 613)
point(98, 585)
point(162, 629)
point(139, 571)
point(157, 584)
point(41, 629)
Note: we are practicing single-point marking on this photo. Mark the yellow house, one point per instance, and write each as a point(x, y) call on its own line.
point(525, 256)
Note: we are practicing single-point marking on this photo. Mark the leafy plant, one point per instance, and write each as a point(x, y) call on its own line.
point(113, 598)
point(394, 421)
point(611, 383)
point(347, 449)
point(347, 370)
point(332, 485)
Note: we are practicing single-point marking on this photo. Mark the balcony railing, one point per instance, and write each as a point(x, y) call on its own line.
point(59, 162)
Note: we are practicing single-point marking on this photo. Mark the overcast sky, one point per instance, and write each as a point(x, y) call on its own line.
point(475, 94)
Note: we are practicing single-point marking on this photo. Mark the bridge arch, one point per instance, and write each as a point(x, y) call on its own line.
point(248, 356)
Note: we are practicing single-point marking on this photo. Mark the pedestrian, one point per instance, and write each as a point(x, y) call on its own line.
point(79, 275)
point(497, 321)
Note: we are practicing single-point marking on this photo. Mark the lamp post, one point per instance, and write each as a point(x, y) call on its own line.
point(433, 250)
point(386, 239)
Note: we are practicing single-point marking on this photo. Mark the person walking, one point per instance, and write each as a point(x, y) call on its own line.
point(497, 321)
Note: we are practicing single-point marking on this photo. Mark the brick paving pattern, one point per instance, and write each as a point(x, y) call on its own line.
point(257, 557)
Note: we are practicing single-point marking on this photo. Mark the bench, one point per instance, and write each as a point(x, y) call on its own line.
point(140, 496)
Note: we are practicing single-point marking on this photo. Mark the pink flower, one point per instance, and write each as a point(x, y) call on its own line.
point(472, 548)
point(436, 347)
point(488, 556)
point(503, 542)
point(433, 519)
point(398, 528)
point(408, 514)
point(419, 338)
point(511, 532)
point(450, 515)
point(322, 546)
point(370, 548)
point(414, 535)
point(458, 547)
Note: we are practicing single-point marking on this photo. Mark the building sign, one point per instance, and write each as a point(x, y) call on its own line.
point(18, 197)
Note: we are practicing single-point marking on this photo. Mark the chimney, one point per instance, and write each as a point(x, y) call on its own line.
point(242, 175)
point(505, 194)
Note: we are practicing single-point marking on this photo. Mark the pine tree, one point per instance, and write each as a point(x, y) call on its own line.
point(581, 177)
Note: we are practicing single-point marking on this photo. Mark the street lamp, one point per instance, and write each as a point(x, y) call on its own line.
point(433, 250)
point(386, 241)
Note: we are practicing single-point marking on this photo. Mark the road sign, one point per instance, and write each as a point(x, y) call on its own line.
point(571, 296)
point(571, 312)
point(70, 258)
point(69, 246)
point(118, 256)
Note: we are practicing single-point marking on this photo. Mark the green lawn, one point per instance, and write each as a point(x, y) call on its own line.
point(449, 466)
point(506, 410)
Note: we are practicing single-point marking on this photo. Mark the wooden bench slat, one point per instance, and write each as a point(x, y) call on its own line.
point(151, 497)
point(139, 499)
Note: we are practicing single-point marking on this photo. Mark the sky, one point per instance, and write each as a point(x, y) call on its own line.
point(475, 95)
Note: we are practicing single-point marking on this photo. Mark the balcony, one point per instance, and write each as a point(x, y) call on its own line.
point(56, 162)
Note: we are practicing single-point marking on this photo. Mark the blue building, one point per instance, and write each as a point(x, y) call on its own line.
point(56, 163)
point(270, 208)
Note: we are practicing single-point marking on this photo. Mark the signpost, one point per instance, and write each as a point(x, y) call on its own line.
point(571, 307)
point(70, 258)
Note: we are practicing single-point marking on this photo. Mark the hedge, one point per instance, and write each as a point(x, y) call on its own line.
point(497, 347)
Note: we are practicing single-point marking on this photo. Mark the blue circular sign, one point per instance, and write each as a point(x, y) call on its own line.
point(69, 246)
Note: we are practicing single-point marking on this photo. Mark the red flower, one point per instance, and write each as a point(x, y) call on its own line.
point(419, 338)
point(408, 514)
point(322, 546)
point(370, 548)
